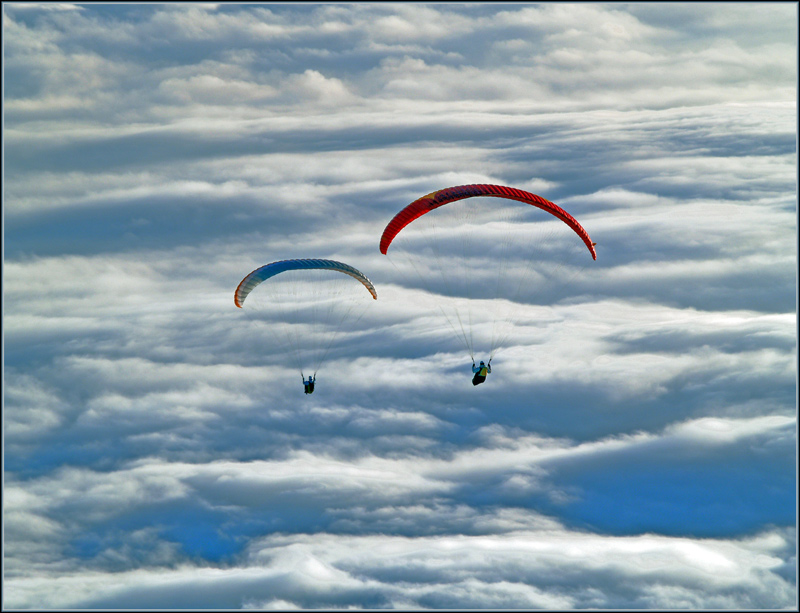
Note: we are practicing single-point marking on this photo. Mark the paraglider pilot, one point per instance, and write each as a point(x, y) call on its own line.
point(481, 372)
point(308, 384)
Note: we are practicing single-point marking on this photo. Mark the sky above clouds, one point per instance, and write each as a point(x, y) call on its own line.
point(636, 443)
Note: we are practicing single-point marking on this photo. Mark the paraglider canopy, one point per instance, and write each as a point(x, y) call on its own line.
point(451, 194)
point(251, 281)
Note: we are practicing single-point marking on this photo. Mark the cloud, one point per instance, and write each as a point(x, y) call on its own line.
point(635, 445)
point(334, 571)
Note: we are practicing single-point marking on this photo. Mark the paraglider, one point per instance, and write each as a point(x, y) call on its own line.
point(481, 372)
point(304, 303)
point(308, 384)
point(485, 259)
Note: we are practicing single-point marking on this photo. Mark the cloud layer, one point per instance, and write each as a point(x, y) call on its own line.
point(635, 446)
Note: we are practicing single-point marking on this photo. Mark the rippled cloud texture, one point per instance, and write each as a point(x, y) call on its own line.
point(635, 446)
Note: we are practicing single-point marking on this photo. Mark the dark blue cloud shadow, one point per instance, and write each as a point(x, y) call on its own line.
point(687, 497)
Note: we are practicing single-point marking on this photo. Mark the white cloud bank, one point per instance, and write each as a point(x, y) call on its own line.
point(158, 455)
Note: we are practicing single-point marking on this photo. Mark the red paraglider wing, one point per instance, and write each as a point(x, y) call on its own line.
point(451, 194)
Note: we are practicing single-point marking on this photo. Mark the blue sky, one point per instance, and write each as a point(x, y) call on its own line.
point(635, 446)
